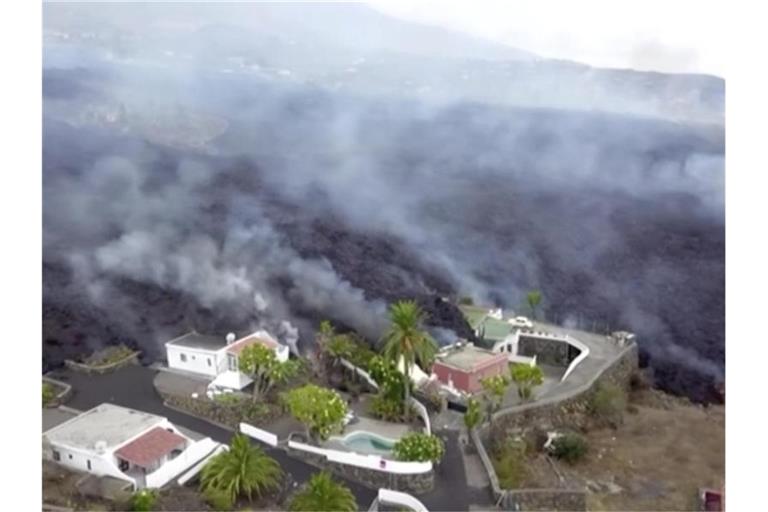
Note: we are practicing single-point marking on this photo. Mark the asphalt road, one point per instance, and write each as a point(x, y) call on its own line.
point(132, 387)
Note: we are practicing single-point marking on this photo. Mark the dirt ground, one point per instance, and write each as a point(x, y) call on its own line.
point(657, 460)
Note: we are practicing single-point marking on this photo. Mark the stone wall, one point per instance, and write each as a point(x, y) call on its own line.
point(84, 368)
point(547, 350)
point(570, 411)
point(545, 499)
point(413, 484)
point(229, 415)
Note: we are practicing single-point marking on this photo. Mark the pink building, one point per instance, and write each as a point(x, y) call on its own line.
point(463, 367)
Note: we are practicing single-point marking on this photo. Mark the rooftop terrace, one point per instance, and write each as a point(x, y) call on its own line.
point(468, 357)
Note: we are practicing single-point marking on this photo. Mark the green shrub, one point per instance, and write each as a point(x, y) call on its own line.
point(218, 499)
point(387, 409)
point(509, 464)
point(49, 393)
point(474, 414)
point(466, 301)
point(227, 399)
point(419, 447)
point(144, 500)
point(608, 404)
point(570, 448)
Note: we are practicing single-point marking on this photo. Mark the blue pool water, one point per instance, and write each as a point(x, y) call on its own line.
point(365, 442)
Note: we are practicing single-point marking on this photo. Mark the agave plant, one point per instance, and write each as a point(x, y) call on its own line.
point(243, 470)
point(323, 494)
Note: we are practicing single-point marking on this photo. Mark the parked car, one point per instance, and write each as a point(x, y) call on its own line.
point(521, 321)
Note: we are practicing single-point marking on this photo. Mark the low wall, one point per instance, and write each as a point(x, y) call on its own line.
point(63, 395)
point(259, 434)
point(547, 350)
point(370, 470)
point(362, 373)
point(422, 410)
point(229, 415)
point(84, 368)
point(570, 410)
point(545, 500)
point(189, 457)
point(400, 498)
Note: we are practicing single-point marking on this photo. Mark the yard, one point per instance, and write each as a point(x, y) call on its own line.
point(666, 449)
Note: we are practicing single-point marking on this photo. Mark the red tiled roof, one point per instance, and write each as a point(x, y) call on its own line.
point(239, 345)
point(149, 447)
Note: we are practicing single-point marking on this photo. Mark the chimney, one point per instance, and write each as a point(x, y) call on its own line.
point(230, 338)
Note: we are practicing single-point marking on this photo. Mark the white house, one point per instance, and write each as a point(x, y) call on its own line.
point(143, 449)
point(216, 357)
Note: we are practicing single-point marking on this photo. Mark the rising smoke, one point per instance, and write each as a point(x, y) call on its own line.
point(274, 202)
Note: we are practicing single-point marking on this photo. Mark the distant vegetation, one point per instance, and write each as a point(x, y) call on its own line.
point(534, 299)
point(49, 393)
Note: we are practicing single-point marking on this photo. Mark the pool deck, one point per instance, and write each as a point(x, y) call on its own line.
point(385, 429)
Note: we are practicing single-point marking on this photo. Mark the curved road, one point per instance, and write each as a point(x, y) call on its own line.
point(132, 387)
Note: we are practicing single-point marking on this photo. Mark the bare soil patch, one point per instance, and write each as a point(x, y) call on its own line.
point(665, 450)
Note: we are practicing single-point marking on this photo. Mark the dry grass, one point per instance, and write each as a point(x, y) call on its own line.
point(660, 456)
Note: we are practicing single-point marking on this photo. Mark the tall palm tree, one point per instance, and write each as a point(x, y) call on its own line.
point(242, 470)
point(323, 494)
point(407, 340)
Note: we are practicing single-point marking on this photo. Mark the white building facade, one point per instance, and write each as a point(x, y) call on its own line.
point(142, 449)
point(217, 358)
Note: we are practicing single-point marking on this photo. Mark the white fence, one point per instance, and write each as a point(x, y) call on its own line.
point(364, 374)
point(257, 433)
point(188, 457)
point(422, 410)
point(183, 479)
point(366, 461)
point(401, 498)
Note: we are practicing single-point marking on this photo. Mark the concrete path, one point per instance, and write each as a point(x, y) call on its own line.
point(132, 387)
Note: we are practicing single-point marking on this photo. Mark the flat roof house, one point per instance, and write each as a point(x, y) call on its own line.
point(140, 448)
point(217, 357)
point(464, 365)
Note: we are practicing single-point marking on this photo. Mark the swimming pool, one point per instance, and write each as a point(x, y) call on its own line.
point(367, 442)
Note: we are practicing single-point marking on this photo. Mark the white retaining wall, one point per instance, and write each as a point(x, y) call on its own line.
point(183, 479)
point(401, 498)
point(364, 374)
point(257, 433)
point(193, 454)
point(366, 461)
point(422, 410)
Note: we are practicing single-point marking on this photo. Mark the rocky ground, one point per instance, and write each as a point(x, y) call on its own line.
point(658, 459)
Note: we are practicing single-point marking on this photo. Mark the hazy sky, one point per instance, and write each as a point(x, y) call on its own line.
point(671, 35)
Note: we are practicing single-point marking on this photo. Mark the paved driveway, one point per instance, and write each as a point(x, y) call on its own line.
point(132, 387)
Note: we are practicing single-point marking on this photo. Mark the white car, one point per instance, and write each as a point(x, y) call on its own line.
point(521, 321)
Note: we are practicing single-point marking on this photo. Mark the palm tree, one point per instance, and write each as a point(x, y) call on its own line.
point(407, 341)
point(242, 470)
point(323, 494)
point(534, 299)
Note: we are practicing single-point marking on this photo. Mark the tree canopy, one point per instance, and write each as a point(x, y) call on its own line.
point(321, 410)
point(526, 377)
point(260, 363)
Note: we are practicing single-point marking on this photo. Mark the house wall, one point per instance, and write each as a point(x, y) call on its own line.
point(500, 367)
point(446, 374)
point(197, 360)
point(101, 464)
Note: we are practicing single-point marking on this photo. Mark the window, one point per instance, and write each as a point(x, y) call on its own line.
point(193, 358)
point(232, 362)
point(183, 358)
point(209, 361)
point(89, 464)
point(124, 465)
point(56, 455)
point(70, 456)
